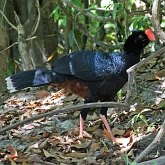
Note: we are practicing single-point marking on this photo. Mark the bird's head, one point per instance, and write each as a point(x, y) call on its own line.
point(138, 40)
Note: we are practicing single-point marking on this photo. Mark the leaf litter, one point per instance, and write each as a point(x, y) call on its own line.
point(54, 140)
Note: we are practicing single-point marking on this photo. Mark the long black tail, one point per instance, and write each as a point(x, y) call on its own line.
point(29, 78)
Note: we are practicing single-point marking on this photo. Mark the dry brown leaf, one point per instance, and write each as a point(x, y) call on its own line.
point(13, 102)
point(33, 104)
point(77, 155)
point(95, 146)
point(45, 134)
point(74, 131)
point(127, 133)
point(160, 74)
point(2, 123)
point(54, 140)
point(13, 153)
point(42, 94)
point(61, 140)
point(106, 134)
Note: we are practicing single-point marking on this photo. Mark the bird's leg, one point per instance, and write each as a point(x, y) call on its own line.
point(104, 119)
point(81, 127)
point(83, 116)
point(103, 116)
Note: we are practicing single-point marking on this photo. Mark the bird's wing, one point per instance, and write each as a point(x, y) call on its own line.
point(90, 65)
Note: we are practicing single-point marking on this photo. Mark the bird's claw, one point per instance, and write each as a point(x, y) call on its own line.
point(85, 134)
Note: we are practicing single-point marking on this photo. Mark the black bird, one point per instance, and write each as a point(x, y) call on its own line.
point(93, 75)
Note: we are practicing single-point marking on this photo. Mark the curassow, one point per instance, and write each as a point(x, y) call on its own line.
point(93, 75)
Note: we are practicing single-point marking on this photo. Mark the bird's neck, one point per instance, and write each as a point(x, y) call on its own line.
point(134, 52)
point(132, 49)
point(132, 57)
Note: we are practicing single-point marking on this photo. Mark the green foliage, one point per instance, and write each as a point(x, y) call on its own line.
point(138, 117)
point(55, 14)
point(77, 2)
point(162, 105)
point(58, 16)
point(140, 22)
point(121, 22)
point(163, 23)
point(128, 162)
point(71, 38)
point(120, 94)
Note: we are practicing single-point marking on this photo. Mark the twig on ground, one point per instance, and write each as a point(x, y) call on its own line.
point(158, 161)
point(154, 143)
point(65, 110)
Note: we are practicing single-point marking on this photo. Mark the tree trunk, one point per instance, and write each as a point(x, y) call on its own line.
point(4, 43)
point(39, 32)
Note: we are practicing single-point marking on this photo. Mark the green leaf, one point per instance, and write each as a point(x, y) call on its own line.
point(55, 13)
point(133, 163)
point(71, 38)
point(62, 21)
point(143, 118)
point(77, 2)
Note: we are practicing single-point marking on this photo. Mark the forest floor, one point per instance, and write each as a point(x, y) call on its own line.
point(54, 140)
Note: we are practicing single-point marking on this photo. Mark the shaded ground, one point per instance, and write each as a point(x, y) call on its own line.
point(54, 140)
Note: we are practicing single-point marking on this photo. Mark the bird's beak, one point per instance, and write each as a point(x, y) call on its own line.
point(150, 34)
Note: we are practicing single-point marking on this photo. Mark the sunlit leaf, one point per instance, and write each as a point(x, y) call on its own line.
point(62, 21)
point(55, 13)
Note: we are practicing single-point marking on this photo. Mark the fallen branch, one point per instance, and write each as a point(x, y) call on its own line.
point(158, 161)
point(153, 145)
point(131, 72)
point(65, 110)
